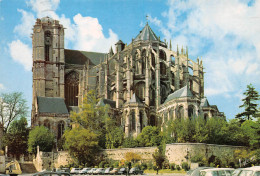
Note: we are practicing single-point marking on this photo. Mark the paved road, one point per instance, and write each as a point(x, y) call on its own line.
point(172, 174)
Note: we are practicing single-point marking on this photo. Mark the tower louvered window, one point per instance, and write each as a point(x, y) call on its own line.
point(71, 88)
point(47, 37)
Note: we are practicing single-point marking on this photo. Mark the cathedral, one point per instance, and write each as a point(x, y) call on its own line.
point(145, 82)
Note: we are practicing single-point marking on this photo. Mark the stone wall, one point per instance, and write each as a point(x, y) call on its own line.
point(175, 153)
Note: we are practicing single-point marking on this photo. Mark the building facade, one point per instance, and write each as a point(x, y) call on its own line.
point(145, 82)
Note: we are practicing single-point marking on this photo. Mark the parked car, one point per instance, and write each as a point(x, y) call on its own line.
point(196, 172)
point(250, 171)
point(99, 171)
point(91, 171)
point(217, 172)
point(51, 173)
point(122, 171)
point(237, 171)
point(135, 171)
point(84, 171)
point(75, 171)
point(114, 171)
point(107, 171)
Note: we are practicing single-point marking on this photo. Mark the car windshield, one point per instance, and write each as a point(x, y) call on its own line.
point(257, 173)
point(246, 173)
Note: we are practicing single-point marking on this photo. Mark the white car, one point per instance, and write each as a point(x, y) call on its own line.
point(250, 171)
point(217, 172)
point(75, 171)
point(84, 171)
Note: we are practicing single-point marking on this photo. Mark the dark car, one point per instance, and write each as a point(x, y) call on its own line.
point(135, 171)
point(122, 171)
point(51, 173)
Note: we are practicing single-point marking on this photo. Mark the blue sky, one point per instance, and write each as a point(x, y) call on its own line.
point(225, 34)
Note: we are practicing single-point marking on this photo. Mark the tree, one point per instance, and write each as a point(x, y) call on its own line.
point(249, 104)
point(12, 106)
point(82, 145)
point(150, 136)
point(16, 137)
point(42, 137)
point(159, 156)
point(89, 129)
point(132, 157)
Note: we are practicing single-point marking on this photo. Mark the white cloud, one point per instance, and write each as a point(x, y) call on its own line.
point(2, 86)
point(44, 7)
point(24, 29)
point(90, 35)
point(21, 53)
point(225, 33)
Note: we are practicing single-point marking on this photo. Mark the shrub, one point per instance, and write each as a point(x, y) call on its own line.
point(185, 166)
point(166, 164)
point(211, 165)
point(172, 166)
point(102, 164)
point(144, 166)
point(178, 167)
point(116, 164)
point(150, 165)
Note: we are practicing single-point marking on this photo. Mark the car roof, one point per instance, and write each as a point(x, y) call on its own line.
point(216, 169)
point(50, 172)
point(254, 168)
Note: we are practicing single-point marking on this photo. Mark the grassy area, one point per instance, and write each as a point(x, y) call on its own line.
point(165, 171)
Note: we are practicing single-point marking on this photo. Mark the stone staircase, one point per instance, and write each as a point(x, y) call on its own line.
point(28, 167)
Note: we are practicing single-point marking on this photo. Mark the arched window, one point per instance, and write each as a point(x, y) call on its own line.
point(163, 91)
point(206, 116)
point(180, 112)
point(143, 61)
point(171, 114)
point(162, 55)
point(141, 120)
point(133, 121)
point(47, 36)
point(47, 124)
point(191, 111)
point(165, 115)
point(140, 90)
point(172, 60)
point(71, 88)
point(60, 129)
point(162, 69)
point(152, 97)
point(152, 120)
point(153, 60)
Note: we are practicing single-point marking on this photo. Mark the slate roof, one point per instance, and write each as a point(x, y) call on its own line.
point(52, 105)
point(104, 102)
point(183, 92)
point(81, 57)
point(204, 102)
point(135, 99)
point(146, 34)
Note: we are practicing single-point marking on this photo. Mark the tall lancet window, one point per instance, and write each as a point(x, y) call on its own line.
point(71, 88)
point(47, 36)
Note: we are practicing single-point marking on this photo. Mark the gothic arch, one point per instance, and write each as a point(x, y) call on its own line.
point(140, 90)
point(143, 61)
point(61, 127)
point(162, 69)
point(47, 45)
point(71, 88)
point(180, 112)
point(162, 55)
point(163, 91)
point(153, 60)
point(172, 60)
point(47, 124)
point(152, 120)
point(191, 111)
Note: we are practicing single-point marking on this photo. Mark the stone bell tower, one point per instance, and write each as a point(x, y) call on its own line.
point(48, 59)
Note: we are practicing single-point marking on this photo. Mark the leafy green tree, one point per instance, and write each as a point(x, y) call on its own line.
point(12, 106)
point(82, 145)
point(250, 105)
point(150, 136)
point(114, 134)
point(16, 137)
point(42, 137)
point(214, 128)
point(130, 142)
point(159, 156)
point(200, 134)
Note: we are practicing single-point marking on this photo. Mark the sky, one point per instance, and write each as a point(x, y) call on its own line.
point(225, 34)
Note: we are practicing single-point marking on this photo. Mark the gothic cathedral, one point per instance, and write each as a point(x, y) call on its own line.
point(145, 82)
